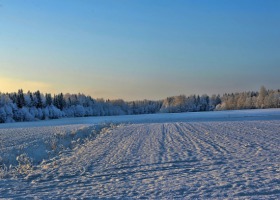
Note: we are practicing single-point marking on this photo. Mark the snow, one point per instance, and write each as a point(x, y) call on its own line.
point(209, 155)
point(157, 118)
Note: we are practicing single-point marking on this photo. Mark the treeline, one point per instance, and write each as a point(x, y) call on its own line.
point(30, 106)
point(235, 101)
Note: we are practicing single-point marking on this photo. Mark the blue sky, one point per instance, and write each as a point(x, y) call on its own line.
point(139, 49)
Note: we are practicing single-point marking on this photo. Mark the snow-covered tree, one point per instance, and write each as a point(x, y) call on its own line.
point(3, 115)
point(261, 97)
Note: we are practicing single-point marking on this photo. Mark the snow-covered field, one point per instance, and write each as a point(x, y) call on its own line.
point(210, 155)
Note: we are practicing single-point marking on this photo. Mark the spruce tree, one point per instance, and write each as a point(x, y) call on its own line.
point(20, 101)
point(39, 103)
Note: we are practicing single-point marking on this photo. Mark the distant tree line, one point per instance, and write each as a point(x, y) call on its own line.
point(234, 101)
point(30, 106)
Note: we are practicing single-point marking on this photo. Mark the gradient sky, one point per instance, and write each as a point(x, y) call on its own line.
point(139, 49)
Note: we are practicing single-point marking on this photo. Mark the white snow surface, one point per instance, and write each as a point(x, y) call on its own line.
point(209, 155)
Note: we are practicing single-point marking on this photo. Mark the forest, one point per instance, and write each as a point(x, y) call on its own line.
point(32, 106)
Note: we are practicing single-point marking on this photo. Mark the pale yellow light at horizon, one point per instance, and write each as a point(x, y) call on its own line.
point(13, 85)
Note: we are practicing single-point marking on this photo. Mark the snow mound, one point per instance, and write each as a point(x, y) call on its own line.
point(23, 148)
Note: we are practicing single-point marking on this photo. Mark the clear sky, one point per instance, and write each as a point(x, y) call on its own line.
point(139, 49)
